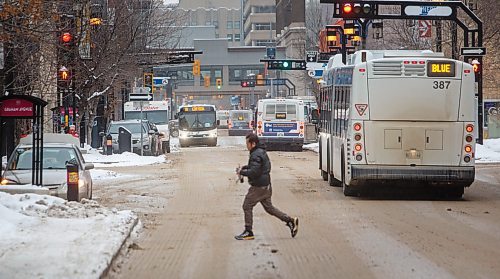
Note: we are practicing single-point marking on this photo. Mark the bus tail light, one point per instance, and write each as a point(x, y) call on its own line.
point(467, 158)
point(468, 148)
point(469, 128)
point(359, 157)
point(357, 127)
point(468, 138)
point(357, 137)
point(358, 147)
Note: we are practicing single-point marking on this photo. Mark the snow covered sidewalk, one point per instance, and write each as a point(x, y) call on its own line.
point(47, 237)
point(126, 159)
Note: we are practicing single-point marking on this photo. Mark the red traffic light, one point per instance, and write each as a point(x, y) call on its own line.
point(347, 8)
point(66, 37)
point(244, 84)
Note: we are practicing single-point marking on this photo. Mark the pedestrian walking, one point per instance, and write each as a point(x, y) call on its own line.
point(258, 173)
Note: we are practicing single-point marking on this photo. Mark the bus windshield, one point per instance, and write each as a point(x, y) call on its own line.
point(158, 117)
point(197, 121)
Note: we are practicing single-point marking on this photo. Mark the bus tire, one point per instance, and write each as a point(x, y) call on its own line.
point(455, 192)
point(324, 174)
point(348, 191)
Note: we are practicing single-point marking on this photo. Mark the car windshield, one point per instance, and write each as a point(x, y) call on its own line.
point(197, 120)
point(134, 128)
point(53, 158)
point(157, 116)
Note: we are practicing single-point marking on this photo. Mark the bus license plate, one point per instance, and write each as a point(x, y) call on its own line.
point(413, 154)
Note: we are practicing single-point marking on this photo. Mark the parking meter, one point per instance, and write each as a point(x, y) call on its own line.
point(109, 144)
point(72, 178)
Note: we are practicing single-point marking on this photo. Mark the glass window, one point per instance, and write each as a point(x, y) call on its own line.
point(270, 111)
point(53, 158)
point(229, 24)
point(230, 37)
point(236, 37)
point(291, 111)
point(236, 25)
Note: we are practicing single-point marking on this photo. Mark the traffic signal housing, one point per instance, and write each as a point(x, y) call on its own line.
point(357, 9)
point(196, 67)
point(286, 64)
point(148, 81)
point(218, 83)
point(247, 83)
point(206, 81)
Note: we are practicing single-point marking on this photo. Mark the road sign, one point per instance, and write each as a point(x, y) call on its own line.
point(311, 56)
point(425, 28)
point(140, 97)
point(473, 51)
point(428, 11)
point(142, 90)
point(271, 52)
point(160, 81)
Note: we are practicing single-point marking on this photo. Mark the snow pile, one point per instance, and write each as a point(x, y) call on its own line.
point(126, 159)
point(313, 147)
point(489, 152)
point(48, 237)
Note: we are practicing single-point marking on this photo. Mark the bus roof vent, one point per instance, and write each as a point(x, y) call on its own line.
point(387, 68)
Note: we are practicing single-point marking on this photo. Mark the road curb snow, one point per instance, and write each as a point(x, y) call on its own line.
point(117, 253)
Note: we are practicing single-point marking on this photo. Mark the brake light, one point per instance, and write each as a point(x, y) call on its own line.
point(4, 181)
point(469, 128)
point(357, 137)
point(468, 148)
point(357, 127)
point(468, 138)
point(358, 147)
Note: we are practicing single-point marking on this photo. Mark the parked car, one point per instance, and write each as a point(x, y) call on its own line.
point(151, 143)
point(58, 151)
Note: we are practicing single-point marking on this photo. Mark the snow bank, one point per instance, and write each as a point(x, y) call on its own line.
point(126, 159)
point(489, 152)
point(98, 174)
point(313, 147)
point(47, 237)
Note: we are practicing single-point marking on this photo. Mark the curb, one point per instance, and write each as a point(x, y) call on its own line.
point(117, 253)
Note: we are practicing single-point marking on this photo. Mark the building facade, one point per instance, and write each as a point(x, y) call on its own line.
point(259, 22)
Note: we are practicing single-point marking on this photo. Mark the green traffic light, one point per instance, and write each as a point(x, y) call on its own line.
point(286, 64)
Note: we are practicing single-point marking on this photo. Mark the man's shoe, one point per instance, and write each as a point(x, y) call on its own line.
point(294, 226)
point(246, 235)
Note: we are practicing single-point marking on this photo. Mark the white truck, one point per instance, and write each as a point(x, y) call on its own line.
point(156, 112)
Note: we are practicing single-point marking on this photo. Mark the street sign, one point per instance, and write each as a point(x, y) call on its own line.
point(473, 51)
point(428, 11)
point(160, 81)
point(311, 56)
point(142, 90)
point(425, 28)
point(140, 97)
point(271, 52)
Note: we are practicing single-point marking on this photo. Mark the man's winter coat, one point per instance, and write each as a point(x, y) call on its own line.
point(258, 167)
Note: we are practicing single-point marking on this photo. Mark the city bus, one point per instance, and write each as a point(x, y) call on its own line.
point(197, 125)
point(398, 116)
point(156, 112)
point(280, 123)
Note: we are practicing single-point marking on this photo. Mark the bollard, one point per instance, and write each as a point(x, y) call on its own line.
point(72, 181)
point(109, 145)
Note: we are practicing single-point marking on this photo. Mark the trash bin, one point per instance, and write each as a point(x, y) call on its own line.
point(124, 140)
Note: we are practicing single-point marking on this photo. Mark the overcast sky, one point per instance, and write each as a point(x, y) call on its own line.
point(170, 1)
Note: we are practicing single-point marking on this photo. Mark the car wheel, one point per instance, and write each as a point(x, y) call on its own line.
point(89, 194)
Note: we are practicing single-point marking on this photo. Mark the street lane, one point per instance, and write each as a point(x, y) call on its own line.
point(190, 228)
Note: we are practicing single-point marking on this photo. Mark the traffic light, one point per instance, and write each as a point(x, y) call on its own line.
point(206, 80)
point(357, 10)
point(148, 81)
point(261, 80)
point(286, 64)
point(218, 83)
point(247, 83)
point(64, 74)
point(196, 67)
point(476, 67)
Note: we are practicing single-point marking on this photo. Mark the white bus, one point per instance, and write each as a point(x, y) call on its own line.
point(400, 116)
point(156, 112)
point(197, 125)
point(280, 123)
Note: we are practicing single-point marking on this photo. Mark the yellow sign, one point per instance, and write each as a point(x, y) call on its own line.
point(72, 177)
point(280, 115)
point(198, 109)
point(441, 69)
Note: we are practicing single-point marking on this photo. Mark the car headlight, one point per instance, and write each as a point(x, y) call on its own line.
point(213, 134)
point(6, 181)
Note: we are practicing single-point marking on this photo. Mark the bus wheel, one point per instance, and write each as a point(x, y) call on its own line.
point(324, 174)
point(348, 191)
point(455, 192)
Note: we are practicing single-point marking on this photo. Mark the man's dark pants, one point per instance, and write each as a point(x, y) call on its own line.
point(262, 195)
